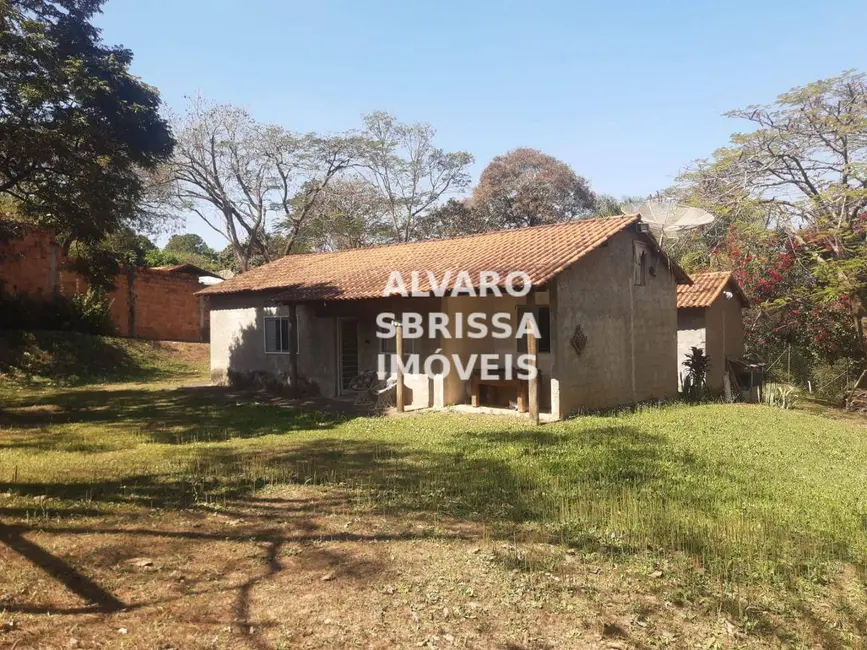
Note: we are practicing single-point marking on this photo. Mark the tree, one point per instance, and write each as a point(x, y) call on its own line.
point(349, 213)
point(275, 244)
point(804, 168)
point(77, 129)
point(410, 173)
point(452, 219)
point(783, 312)
point(526, 187)
point(609, 206)
point(188, 248)
point(239, 175)
point(100, 262)
point(189, 244)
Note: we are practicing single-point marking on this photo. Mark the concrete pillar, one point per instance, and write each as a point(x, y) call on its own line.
point(293, 346)
point(532, 351)
point(398, 344)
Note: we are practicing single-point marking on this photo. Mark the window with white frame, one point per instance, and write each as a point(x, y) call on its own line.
point(277, 339)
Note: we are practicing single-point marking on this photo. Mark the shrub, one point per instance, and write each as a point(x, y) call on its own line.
point(695, 381)
point(88, 312)
point(831, 380)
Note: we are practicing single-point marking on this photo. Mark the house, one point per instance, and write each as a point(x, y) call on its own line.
point(602, 292)
point(709, 317)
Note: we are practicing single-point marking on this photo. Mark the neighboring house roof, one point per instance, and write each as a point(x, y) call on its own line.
point(706, 287)
point(192, 269)
point(541, 251)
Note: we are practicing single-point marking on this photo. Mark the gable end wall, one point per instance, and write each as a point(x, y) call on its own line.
point(631, 331)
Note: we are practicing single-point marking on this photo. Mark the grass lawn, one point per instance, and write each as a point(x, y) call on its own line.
point(151, 515)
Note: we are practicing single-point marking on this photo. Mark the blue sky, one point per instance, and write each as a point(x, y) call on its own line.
point(627, 93)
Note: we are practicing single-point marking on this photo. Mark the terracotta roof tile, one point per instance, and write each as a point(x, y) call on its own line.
point(706, 288)
point(542, 252)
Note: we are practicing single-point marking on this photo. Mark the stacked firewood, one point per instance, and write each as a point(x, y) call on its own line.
point(856, 400)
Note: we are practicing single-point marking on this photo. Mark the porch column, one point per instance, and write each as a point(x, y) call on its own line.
point(532, 349)
point(398, 348)
point(534, 380)
point(293, 346)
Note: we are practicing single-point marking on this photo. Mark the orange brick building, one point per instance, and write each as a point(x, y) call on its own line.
point(146, 303)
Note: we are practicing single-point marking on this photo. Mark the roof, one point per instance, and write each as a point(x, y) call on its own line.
point(541, 252)
point(192, 269)
point(706, 287)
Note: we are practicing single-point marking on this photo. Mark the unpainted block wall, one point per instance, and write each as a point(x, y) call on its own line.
point(161, 305)
point(725, 337)
point(631, 331)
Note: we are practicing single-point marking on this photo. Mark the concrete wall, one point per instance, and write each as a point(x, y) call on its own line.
point(631, 330)
point(725, 337)
point(690, 333)
point(238, 341)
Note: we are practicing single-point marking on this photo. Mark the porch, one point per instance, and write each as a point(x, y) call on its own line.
point(343, 336)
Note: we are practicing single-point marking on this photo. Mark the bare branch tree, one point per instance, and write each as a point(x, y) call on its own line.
point(239, 175)
point(410, 172)
point(318, 160)
point(806, 160)
point(804, 168)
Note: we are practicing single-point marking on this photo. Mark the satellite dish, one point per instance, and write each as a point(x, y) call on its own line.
point(668, 220)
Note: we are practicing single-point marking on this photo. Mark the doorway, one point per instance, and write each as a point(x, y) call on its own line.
point(347, 349)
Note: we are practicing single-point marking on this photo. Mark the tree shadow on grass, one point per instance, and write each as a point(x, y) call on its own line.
point(503, 480)
point(613, 488)
point(168, 416)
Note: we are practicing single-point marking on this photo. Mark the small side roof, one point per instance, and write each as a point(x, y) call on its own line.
point(541, 251)
point(706, 287)
point(191, 269)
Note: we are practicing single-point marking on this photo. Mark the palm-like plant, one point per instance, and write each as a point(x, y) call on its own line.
point(695, 383)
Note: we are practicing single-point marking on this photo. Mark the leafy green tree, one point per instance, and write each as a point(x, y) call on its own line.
point(526, 187)
point(274, 243)
point(157, 257)
point(452, 219)
point(609, 206)
point(189, 244)
point(783, 312)
point(803, 170)
point(78, 130)
point(100, 262)
point(187, 248)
